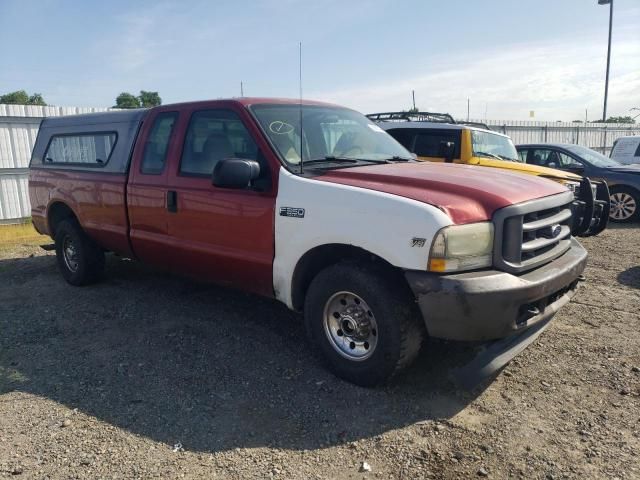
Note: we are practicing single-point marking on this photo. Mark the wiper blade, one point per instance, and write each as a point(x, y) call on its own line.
point(490, 155)
point(331, 159)
point(396, 158)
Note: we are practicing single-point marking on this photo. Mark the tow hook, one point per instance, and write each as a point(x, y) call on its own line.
point(581, 278)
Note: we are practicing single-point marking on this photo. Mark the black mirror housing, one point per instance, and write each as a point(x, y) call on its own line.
point(447, 150)
point(235, 173)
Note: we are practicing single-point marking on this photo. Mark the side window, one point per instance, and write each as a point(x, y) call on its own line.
point(522, 155)
point(213, 135)
point(93, 149)
point(404, 136)
point(568, 162)
point(155, 150)
point(428, 143)
point(540, 157)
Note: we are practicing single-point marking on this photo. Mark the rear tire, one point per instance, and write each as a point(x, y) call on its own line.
point(80, 260)
point(625, 204)
point(365, 322)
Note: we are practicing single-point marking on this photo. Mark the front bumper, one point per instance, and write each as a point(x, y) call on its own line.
point(490, 304)
point(590, 212)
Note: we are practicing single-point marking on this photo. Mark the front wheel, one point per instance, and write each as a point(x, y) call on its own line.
point(364, 321)
point(624, 204)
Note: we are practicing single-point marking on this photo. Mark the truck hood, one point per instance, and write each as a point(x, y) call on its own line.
point(465, 193)
point(526, 168)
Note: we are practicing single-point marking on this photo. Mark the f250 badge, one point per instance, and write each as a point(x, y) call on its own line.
point(292, 212)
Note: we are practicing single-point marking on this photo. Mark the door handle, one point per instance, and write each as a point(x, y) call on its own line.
point(172, 201)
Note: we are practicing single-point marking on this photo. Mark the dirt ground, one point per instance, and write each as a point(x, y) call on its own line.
point(153, 376)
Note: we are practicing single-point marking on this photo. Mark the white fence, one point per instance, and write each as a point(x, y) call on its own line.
point(598, 136)
point(19, 126)
point(18, 129)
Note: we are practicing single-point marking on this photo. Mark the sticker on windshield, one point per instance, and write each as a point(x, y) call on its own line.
point(375, 127)
point(280, 127)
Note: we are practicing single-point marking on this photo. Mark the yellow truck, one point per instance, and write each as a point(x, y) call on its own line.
point(437, 137)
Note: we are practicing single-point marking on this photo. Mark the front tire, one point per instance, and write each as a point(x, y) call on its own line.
point(365, 322)
point(80, 260)
point(625, 205)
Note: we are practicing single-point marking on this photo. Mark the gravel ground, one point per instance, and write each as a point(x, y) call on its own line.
point(153, 376)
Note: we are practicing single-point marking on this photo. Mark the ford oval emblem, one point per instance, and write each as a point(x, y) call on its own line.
point(552, 231)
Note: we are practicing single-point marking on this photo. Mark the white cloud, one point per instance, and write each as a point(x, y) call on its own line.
point(557, 81)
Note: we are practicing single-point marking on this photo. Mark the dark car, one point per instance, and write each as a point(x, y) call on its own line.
point(623, 180)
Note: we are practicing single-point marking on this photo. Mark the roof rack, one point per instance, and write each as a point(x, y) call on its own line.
point(411, 117)
point(476, 124)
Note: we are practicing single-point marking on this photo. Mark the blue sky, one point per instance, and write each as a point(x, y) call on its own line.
point(508, 57)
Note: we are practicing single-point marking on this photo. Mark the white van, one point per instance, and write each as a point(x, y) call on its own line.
point(626, 150)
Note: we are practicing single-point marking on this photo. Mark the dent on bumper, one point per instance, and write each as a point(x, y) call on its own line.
point(487, 305)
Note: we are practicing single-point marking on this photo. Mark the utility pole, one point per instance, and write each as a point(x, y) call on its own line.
point(606, 82)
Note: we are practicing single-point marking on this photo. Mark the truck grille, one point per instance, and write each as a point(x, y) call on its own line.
point(532, 233)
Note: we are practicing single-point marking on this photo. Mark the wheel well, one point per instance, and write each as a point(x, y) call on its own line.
point(622, 186)
point(58, 212)
point(321, 257)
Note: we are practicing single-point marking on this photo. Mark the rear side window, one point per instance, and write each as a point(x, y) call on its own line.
point(428, 144)
point(92, 149)
point(155, 150)
point(522, 155)
point(424, 142)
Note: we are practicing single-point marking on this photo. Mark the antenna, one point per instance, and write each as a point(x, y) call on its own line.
point(300, 104)
point(241, 89)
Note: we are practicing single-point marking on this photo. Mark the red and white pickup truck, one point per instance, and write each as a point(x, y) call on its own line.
point(314, 205)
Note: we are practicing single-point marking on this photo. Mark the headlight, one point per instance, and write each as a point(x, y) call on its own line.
point(574, 187)
point(462, 247)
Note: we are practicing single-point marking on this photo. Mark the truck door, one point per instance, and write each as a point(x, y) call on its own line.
point(221, 234)
point(147, 194)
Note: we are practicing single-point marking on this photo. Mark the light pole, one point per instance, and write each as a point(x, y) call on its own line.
point(606, 82)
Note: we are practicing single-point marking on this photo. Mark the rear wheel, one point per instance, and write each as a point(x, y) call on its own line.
point(364, 322)
point(80, 260)
point(625, 204)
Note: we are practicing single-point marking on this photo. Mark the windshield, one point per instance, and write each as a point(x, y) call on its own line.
point(329, 133)
point(592, 157)
point(491, 145)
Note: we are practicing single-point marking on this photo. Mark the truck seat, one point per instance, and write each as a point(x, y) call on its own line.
point(215, 148)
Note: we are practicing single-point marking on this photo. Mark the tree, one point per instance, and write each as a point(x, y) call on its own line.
point(145, 99)
point(626, 119)
point(127, 100)
point(149, 99)
point(36, 99)
point(20, 97)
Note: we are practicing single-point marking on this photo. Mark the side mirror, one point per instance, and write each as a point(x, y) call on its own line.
point(235, 173)
point(447, 150)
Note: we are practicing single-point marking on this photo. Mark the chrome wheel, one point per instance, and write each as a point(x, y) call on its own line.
point(623, 206)
point(350, 326)
point(70, 254)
